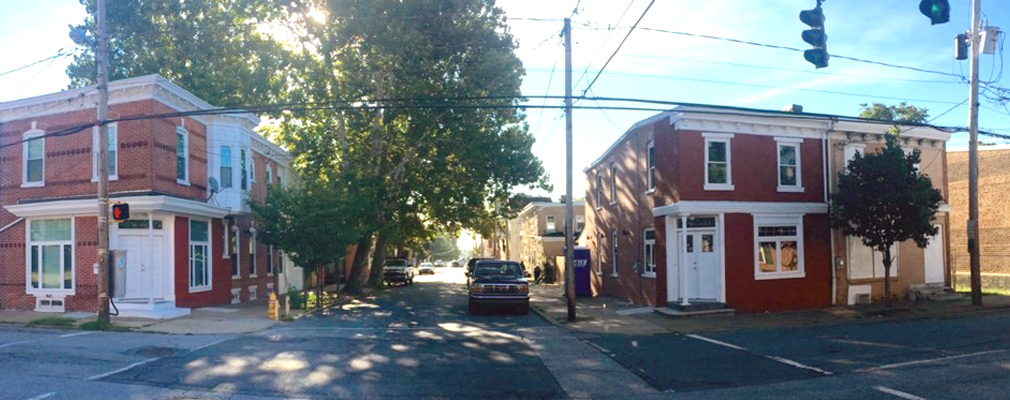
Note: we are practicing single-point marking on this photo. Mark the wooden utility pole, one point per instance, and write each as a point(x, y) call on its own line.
point(569, 231)
point(973, 242)
point(102, 58)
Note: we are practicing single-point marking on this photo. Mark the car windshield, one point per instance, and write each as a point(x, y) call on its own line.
point(498, 270)
point(425, 264)
point(396, 263)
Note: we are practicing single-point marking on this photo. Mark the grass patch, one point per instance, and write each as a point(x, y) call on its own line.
point(103, 326)
point(1000, 292)
point(53, 321)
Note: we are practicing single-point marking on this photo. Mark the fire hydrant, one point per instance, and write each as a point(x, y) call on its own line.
point(272, 307)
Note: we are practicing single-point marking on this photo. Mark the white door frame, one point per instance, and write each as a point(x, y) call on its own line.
point(937, 241)
point(674, 244)
point(161, 267)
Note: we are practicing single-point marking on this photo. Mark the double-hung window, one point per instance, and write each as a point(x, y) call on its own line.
point(718, 161)
point(252, 255)
point(650, 253)
point(233, 248)
point(181, 155)
point(35, 158)
point(779, 247)
point(269, 180)
point(226, 169)
point(599, 189)
point(112, 143)
point(613, 244)
point(245, 173)
point(50, 255)
point(199, 256)
point(252, 170)
point(613, 183)
point(270, 260)
point(789, 167)
point(551, 225)
point(651, 160)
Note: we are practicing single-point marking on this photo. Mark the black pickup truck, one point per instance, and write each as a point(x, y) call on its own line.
point(498, 283)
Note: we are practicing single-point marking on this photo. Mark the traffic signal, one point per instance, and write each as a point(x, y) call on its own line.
point(120, 212)
point(938, 11)
point(815, 36)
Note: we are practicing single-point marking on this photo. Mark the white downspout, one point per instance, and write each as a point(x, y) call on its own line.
point(827, 199)
point(682, 260)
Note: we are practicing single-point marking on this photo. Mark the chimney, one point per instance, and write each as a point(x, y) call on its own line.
point(562, 199)
point(794, 108)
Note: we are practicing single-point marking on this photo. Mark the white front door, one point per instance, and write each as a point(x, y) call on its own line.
point(703, 275)
point(144, 266)
point(933, 258)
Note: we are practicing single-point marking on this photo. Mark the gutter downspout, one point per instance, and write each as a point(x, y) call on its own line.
point(827, 199)
point(8, 226)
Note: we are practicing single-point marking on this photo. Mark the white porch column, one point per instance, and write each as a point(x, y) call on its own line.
point(150, 256)
point(682, 260)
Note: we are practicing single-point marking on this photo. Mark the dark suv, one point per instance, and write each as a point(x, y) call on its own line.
point(498, 283)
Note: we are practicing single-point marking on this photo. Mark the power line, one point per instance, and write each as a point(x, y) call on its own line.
point(618, 47)
point(605, 40)
point(58, 54)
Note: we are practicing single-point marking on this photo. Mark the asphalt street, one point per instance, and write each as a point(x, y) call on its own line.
point(419, 342)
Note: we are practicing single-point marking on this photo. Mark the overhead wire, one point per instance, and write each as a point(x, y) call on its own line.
point(612, 55)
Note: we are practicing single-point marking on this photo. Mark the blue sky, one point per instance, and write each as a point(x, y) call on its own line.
point(659, 66)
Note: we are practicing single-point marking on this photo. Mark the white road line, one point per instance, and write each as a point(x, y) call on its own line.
point(198, 348)
point(871, 344)
point(598, 347)
point(932, 360)
point(43, 396)
point(77, 334)
point(713, 341)
point(17, 343)
point(126, 368)
point(785, 361)
point(898, 393)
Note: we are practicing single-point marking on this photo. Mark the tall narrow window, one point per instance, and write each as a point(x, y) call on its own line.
point(650, 253)
point(270, 260)
point(245, 174)
point(112, 137)
point(233, 248)
point(551, 225)
point(252, 255)
point(718, 166)
point(181, 155)
point(651, 160)
point(269, 179)
point(226, 169)
point(35, 158)
point(599, 189)
point(51, 250)
point(199, 260)
point(252, 169)
point(613, 244)
point(789, 165)
point(613, 183)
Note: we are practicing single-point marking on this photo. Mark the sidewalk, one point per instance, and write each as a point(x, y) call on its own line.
point(610, 315)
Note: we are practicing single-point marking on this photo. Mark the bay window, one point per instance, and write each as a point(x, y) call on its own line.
point(226, 169)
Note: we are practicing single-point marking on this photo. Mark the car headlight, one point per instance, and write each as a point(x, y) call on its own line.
point(524, 289)
point(477, 288)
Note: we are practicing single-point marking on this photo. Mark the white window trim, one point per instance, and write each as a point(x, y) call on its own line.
point(252, 256)
point(599, 190)
point(94, 152)
point(40, 292)
point(252, 168)
point(645, 245)
point(795, 143)
point(231, 166)
point(180, 130)
point(764, 220)
point(209, 262)
point(32, 133)
point(650, 165)
point(599, 257)
point(723, 138)
point(614, 252)
point(613, 183)
point(271, 265)
point(551, 225)
point(237, 260)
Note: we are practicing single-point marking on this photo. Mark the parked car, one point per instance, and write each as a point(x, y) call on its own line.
point(498, 283)
point(426, 268)
point(439, 263)
point(455, 264)
point(397, 270)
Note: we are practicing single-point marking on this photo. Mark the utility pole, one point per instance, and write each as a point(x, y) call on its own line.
point(973, 242)
point(569, 231)
point(102, 58)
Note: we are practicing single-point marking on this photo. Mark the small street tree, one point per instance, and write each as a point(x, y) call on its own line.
point(883, 199)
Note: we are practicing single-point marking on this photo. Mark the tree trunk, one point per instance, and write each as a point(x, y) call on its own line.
point(375, 276)
point(320, 282)
point(887, 277)
point(359, 268)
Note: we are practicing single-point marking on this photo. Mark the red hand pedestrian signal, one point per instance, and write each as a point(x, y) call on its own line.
point(120, 212)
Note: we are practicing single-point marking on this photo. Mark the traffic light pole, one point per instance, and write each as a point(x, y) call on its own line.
point(569, 227)
point(101, 56)
point(973, 239)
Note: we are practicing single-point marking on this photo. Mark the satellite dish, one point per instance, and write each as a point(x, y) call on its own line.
point(214, 187)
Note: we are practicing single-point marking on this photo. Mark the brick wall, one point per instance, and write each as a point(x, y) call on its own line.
point(994, 216)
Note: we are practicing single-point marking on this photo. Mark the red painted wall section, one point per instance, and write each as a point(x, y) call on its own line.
point(746, 294)
point(754, 169)
point(221, 273)
point(660, 224)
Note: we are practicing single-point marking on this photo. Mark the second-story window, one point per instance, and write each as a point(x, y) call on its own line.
point(269, 179)
point(613, 183)
point(651, 160)
point(789, 165)
point(252, 169)
point(245, 172)
point(599, 189)
point(112, 137)
point(580, 222)
point(551, 225)
point(35, 158)
point(226, 170)
point(718, 166)
point(181, 155)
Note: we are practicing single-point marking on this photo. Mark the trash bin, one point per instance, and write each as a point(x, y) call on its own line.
point(582, 279)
